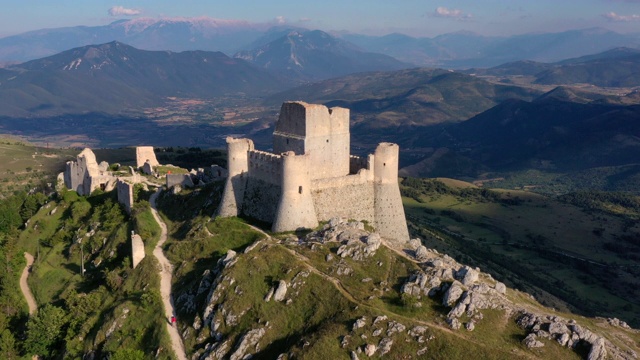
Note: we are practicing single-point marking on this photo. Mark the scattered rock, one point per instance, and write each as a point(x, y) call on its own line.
point(360, 323)
point(531, 341)
point(422, 254)
point(414, 243)
point(354, 356)
point(470, 326)
point(467, 276)
point(267, 298)
point(385, 346)
point(370, 349)
point(453, 323)
point(281, 291)
point(380, 318)
point(501, 288)
point(395, 327)
point(452, 295)
point(248, 341)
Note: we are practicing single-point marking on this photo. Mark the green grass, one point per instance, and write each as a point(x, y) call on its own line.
point(549, 240)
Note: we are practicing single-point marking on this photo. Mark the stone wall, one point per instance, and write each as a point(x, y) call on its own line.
point(144, 154)
point(265, 166)
point(349, 201)
point(85, 175)
point(183, 180)
point(137, 249)
point(125, 195)
point(260, 200)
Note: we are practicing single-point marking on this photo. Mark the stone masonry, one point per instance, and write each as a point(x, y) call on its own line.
point(311, 177)
point(144, 154)
point(137, 249)
point(85, 175)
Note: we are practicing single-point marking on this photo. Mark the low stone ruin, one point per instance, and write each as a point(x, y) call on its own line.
point(145, 154)
point(137, 249)
point(85, 174)
point(125, 194)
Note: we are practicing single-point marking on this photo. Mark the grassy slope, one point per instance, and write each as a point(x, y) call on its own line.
point(324, 305)
point(538, 244)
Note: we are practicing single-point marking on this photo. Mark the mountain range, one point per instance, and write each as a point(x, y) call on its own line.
point(618, 67)
point(314, 55)
point(452, 50)
point(115, 77)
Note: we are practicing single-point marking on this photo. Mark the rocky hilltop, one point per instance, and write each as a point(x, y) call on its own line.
point(343, 291)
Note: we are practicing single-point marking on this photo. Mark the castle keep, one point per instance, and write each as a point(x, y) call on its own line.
point(311, 177)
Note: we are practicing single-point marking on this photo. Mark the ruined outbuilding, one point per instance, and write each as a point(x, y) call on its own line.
point(311, 177)
point(144, 154)
point(85, 174)
point(125, 195)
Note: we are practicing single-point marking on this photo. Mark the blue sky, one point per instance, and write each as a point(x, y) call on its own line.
point(414, 17)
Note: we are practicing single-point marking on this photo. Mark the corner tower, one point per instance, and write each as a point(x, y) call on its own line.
point(318, 131)
point(295, 208)
point(237, 162)
point(389, 212)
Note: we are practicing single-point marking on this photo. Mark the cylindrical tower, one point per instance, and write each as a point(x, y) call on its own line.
point(238, 164)
point(295, 208)
point(390, 221)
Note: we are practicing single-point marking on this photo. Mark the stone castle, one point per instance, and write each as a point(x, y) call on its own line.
point(311, 176)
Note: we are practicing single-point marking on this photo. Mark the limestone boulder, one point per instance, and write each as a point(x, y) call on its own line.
point(452, 294)
point(531, 341)
point(422, 254)
point(467, 276)
point(281, 291)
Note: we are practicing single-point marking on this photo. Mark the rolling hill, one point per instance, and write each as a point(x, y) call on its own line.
point(618, 67)
point(407, 97)
point(549, 133)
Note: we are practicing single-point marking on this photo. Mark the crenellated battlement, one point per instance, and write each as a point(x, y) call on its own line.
point(310, 176)
point(265, 166)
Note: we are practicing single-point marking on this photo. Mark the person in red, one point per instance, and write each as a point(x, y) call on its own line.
point(173, 320)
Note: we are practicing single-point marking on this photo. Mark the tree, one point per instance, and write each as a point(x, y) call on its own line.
point(44, 330)
point(127, 354)
point(8, 345)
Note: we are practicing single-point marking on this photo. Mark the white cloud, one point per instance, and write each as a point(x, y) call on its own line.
point(615, 17)
point(442, 11)
point(280, 20)
point(122, 11)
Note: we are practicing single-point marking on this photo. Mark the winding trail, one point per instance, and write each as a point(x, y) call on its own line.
point(31, 301)
point(165, 281)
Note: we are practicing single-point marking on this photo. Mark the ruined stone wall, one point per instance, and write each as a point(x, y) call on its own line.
point(144, 154)
point(350, 197)
point(84, 175)
point(183, 180)
point(265, 166)
point(356, 163)
point(137, 249)
point(125, 195)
